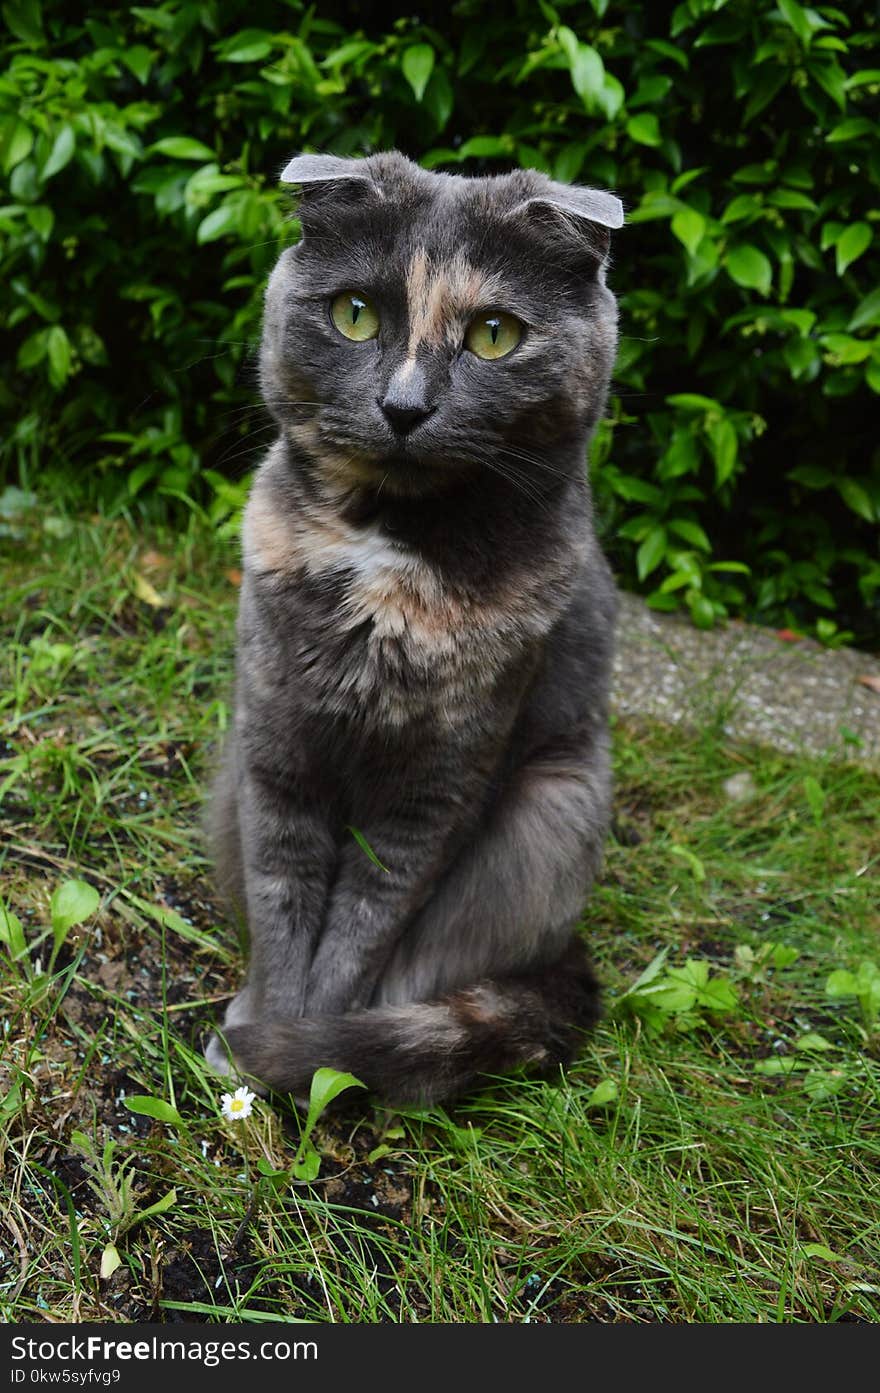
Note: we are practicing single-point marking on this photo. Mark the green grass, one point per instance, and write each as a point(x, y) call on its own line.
point(728, 1175)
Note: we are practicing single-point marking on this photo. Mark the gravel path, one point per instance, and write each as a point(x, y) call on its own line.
point(793, 696)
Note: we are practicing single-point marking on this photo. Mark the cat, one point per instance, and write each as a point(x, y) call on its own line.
point(414, 797)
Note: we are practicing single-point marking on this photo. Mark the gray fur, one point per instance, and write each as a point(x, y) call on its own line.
point(424, 638)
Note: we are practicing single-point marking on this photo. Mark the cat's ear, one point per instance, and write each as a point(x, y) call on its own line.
point(327, 181)
point(576, 219)
point(322, 169)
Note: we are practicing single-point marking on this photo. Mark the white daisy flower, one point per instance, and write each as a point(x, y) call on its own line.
point(238, 1105)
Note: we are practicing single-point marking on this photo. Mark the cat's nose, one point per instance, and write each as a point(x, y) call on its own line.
point(405, 400)
point(404, 416)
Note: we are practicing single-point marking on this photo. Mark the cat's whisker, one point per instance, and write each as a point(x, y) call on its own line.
point(249, 448)
point(539, 463)
point(517, 480)
point(258, 406)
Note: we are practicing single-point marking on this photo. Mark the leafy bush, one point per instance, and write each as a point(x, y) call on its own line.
point(737, 471)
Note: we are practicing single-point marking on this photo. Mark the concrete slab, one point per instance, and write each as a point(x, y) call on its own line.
point(793, 696)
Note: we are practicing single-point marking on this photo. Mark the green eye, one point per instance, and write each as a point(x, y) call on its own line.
point(493, 335)
point(354, 316)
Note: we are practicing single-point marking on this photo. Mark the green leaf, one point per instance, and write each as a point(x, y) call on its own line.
point(802, 357)
point(812, 1042)
point(72, 903)
point(689, 227)
point(692, 401)
point(58, 353)
point(247, 46)
point(790, 198)
point(25, 21)
point(636, 490)
point(796, 18)
point(819, 1250)
point(378, 1152)
point(856, 497)
point(218, 223)
point(650, 974)
point(307, 1162)
point(146, 1106)
point(139, 60)
point(802, 320)
point(750, 268)
point(485, 147)
point(786, 1064)
point(724, 444)
point(815, 797)
point(611, 98)
point(587, 74)
point(867, 312)
point(327, 1084)
point(841, 983)
point(42, 220)
point(61, 153)
point(159, 1207)
point(811, 476)
point(16, 142)
point(418, 64)
point(697, 869)
point(844, 349)
point(702, 611)
point(852, 243)
point(604, 1093)
point(850, 130)
point(784, 955)
point(745, 205)
point(831, 78)
point(644, 129)
point(182, 147)
point(651, 552)
point(12, 934)
point(690, 532)
point(366, 848)
point(681, 457)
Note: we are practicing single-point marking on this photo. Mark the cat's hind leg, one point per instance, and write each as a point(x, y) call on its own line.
point(515, 893)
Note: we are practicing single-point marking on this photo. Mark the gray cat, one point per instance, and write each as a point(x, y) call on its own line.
point(424, 635)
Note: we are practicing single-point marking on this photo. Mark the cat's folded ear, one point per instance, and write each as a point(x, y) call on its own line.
point(325, 180)
point(577, 220)
point(322, 169)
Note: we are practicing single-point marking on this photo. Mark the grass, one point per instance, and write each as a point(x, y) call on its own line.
point(711, 1156)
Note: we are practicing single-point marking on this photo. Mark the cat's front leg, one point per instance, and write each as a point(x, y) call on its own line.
point(288, 856)
point(371, 905)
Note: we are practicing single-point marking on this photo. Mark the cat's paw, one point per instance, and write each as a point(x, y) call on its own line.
point(219, 1058)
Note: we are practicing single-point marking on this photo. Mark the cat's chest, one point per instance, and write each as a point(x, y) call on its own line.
point(383, 633)
point(418, 645)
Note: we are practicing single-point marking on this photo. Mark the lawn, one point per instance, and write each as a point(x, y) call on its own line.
point(711, 1155)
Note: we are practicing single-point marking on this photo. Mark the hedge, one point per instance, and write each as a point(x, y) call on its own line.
point(738, 471)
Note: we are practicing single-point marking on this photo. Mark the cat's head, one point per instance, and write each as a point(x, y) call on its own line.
point(428, 324)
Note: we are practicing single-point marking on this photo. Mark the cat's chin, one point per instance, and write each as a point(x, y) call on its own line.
point(412, 476)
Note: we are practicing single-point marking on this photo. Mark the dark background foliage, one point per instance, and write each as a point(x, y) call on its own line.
point(738, 471)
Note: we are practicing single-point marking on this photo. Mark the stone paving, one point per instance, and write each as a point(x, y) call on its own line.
point(795, 696)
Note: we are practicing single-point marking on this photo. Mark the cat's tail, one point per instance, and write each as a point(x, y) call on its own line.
point(426, 1051)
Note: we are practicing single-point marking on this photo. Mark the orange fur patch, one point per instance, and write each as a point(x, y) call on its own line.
point(442, 297)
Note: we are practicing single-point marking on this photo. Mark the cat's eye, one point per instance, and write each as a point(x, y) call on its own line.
point(493, 335)
point(355, 316)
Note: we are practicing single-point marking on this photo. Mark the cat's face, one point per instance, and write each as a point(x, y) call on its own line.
point(429, 324)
